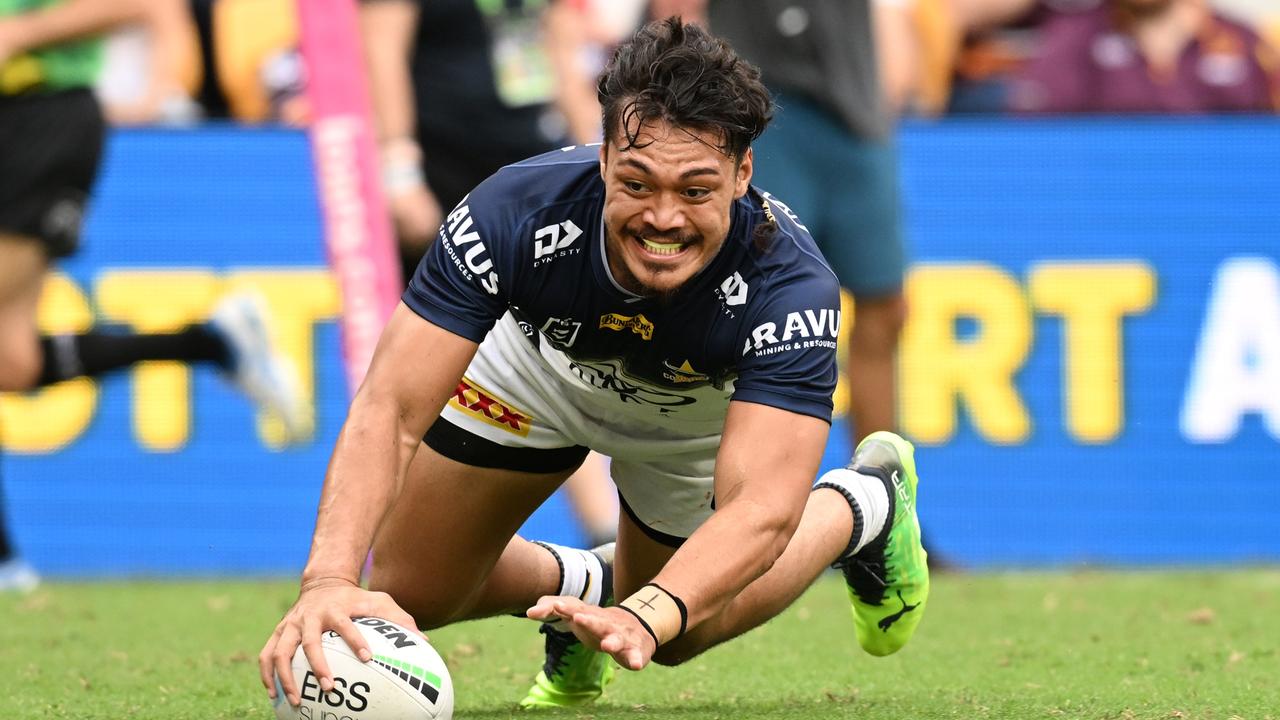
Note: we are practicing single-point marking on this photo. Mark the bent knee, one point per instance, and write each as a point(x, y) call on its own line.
point(668, 658)
point(429, 607)
point(678, 652)
point(21, 362)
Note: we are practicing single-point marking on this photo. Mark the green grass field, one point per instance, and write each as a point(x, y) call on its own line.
point(1070, 645)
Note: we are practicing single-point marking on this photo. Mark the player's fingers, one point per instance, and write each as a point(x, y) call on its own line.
point(314, 650)
point(611, 643)
point(597, 625)
point(282, 664)
point(347, 630)
point(543, 609)
point(265, 662)
point(634, 659)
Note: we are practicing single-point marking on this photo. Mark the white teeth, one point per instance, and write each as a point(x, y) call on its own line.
point(662, 248)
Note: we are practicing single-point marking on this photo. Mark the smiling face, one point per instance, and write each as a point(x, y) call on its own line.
point(667, 203)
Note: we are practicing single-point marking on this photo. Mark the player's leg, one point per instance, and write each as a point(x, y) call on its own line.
point(22, 266)
point(591, 494)
point(448, 549)
point(860, 518)
point(863, 241)
point(22, 269)
point(871, 368)
point(236, 339)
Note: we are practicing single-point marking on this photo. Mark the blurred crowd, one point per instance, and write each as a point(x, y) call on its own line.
point(239, 59)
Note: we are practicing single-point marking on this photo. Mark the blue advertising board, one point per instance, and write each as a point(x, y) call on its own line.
point(1091, 371)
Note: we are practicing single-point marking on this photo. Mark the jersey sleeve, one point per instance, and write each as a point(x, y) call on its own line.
point(463, 282)
point(789, 351)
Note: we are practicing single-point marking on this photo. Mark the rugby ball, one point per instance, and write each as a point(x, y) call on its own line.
point(405, 680)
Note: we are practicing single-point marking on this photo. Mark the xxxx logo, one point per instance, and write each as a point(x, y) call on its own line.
point(482, 405)
point(638, 324)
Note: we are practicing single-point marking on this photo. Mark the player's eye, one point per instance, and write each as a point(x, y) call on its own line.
point(633, 186)
point(696, 193)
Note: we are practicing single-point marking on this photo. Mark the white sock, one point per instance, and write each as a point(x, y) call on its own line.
point(868, 493)
point(581, 575)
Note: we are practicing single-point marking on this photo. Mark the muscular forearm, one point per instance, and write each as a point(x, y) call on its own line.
point(364, 477)
point(72, 20)
point(413, 373)
point(767, 461)
point(738, 544)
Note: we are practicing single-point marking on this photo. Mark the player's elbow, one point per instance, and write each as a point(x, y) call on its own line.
point(774, 529)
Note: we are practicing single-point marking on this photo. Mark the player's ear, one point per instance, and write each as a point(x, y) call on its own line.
point(604, 156)
point(743, 175)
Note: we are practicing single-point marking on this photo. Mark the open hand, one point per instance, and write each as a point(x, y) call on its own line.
point(609, 629)
point(327, 604)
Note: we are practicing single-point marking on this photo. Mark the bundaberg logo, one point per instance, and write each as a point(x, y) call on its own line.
point(638, 324)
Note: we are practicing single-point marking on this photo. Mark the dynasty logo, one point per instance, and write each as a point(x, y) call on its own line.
point(733, 291)
point(638, 324)
point(555, 241)
point(482, 405)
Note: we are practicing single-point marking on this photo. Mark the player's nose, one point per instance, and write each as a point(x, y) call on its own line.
point(665, 213)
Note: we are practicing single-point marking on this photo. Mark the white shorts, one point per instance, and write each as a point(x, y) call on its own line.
point(517, 396)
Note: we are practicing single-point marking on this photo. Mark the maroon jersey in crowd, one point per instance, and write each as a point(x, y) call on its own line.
point(1087, 63)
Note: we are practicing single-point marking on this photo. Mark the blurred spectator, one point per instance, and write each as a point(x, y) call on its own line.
point(1081, 56)
point(253, 71)
point(151, 68)
point(461, 88)
point(829, 155)
point(1148, 56)
point(51, 137)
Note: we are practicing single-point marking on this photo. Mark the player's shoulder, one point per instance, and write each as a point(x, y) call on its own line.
point(564, 181)
point(781, 253)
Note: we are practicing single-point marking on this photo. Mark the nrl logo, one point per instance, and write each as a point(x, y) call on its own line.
point(560, 332)
point(638, 324)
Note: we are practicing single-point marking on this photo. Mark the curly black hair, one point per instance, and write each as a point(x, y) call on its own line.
point(683, 75)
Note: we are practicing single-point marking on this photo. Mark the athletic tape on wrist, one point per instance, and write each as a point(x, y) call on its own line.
point(661, 613)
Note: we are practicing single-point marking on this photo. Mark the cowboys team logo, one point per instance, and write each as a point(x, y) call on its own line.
point(682, 374)
point(638, 324)
point(561, 333)
point(608, 375)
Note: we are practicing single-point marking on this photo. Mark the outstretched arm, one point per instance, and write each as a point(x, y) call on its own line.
point(414, 371)
point(765, 468)
point(66, 21)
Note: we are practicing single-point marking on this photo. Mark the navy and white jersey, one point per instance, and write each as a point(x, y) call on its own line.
point(759, 323)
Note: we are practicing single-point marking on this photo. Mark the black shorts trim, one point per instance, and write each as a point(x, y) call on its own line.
point(468, 448)
point(674, 541)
